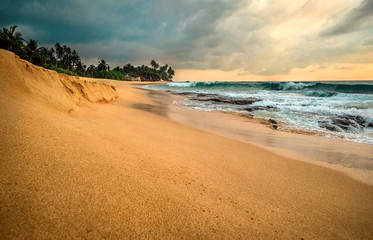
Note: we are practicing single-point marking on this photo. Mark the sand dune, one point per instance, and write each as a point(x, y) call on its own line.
point(61, 91)
point(112, 171)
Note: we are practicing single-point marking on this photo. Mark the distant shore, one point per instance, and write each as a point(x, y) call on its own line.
point(78, 160)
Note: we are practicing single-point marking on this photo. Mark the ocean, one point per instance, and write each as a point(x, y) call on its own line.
point(341, 110)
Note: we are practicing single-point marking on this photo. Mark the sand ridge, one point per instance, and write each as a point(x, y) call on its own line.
point(61, 91)
point(112, 171)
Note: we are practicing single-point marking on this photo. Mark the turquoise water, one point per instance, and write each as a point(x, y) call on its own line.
point(341, 110)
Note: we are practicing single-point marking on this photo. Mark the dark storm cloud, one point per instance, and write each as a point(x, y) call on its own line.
point(257, 37)
point(353, 20)
point(94, 24)
point(82, 21)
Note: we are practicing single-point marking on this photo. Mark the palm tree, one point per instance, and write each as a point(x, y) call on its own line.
point(91, 70)
point(170, 72)
point(80, 68)
point(32, 50)
point(128, 68)
point(102, 66)
point(43, 56)
point(51, 57)
point(66, 56)
point(10, 39)
point(59, 52)
point(163, 68)
point(154, 64)
point(75, 59)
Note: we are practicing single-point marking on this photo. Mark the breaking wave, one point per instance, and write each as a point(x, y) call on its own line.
point(342, 109)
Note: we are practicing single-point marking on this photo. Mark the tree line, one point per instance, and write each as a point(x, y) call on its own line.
point(63, 59)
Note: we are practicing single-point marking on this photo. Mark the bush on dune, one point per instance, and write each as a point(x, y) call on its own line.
point(109, 75)
point(60, 70)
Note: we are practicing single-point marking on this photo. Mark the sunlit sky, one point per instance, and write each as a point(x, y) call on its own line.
point(210, 40)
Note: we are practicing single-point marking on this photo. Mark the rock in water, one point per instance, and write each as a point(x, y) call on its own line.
point(350, 124)
point(329, 126)
point(258, 108)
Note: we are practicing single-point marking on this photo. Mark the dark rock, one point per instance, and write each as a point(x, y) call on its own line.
point(205, 95)
point(257, 108)
point(329, 126)
point(359, 120)
point(248, 101)
point(217, 100)
point(342, 123)
point(352, 124)
point(244, 101)
point(274, 126)
point(272, 121)
point(208, 99)
point(370, 125)
point(348, 123)
point(182, 93)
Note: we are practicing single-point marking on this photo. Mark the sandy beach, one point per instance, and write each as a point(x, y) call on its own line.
point(79, 161)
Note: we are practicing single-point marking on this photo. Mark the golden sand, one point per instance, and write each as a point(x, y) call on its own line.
point(72, 168)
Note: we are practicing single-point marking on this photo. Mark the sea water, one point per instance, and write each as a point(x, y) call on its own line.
point(342, 110)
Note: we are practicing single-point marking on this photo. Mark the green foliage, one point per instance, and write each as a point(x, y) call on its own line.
point(164, 76)
point(170, 73)
point(154, 64)
point(32, 51)
point(163, 68)
point(112, 74)
point(60, 70)
point(90, 70)
point(102, 66)
point(63, 59)
point(11, 40)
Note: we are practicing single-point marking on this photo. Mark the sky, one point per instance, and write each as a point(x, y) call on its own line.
point(210, 40)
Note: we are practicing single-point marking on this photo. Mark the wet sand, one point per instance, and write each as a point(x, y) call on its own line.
point(71, 168)
point(354, 159)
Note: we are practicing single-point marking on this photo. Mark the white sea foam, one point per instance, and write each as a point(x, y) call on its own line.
point(182, 84)
point(296, 105)
point(296, 86)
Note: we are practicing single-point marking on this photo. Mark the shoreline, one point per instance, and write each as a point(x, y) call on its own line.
point(330, 110)
point(71, 168)
point(311, 142)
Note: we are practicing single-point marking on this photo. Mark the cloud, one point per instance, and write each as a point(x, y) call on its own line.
point(84, 21)
point(342, 68)
point(262, 37)
point(354, 20)
point(177, 27)
point(368, 41)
